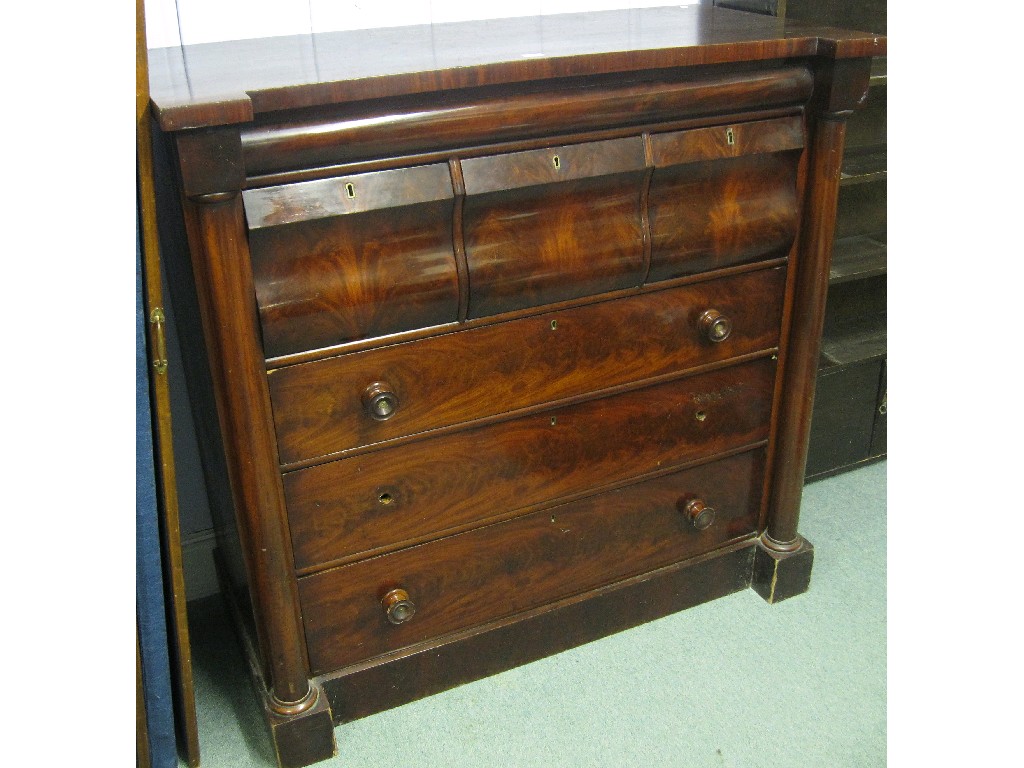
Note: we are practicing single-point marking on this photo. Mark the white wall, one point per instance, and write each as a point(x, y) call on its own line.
point(207, 21)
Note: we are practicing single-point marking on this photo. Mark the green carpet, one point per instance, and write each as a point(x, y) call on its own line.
point(734, 683)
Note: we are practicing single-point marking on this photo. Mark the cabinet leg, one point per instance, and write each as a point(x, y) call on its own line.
point(303, 738)
point(779, 573)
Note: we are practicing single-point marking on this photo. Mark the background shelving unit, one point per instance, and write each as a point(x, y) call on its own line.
point(848, 428)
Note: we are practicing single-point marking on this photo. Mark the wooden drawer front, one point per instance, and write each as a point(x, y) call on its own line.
point(553, 224)
point(393, 497)
point(352, 257)
point(318, 407)
point(713, 204)
point(498, 570)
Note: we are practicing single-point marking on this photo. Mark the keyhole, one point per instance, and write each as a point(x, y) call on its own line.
point(730, 137)
point(385, 499)
point(350, 190)
point(557, 162)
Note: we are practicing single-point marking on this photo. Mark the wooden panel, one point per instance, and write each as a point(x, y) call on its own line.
point(541, 244)
point(713, 214)
point(389, 498)
point(349, 258)
point(462, 376)
point(322, 198)
point(498, 570)
point(727, 141)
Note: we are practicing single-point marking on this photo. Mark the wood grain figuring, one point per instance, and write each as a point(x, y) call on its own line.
point(509, 567)
point(454, 119)
point(385, 498)
point(327, 281)
point(709, 215)
point(543, 244)
point(476, 373)
point(308, 200)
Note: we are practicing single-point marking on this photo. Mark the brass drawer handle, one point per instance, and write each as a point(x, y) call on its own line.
point(397, 606)
point(380, 401)
point(699, 514)
point(715, 326)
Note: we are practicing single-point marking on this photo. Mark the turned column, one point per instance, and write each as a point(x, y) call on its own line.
point(212, 177)
point(783, 560)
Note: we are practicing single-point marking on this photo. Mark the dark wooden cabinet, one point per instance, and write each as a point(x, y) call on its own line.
point(501, 352)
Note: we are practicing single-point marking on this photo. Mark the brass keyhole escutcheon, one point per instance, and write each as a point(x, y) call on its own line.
point(730, 137)
point(554, 325)
point(557, 162)
point(350, 191)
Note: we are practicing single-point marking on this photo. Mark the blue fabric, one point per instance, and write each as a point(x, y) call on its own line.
point(149, 582)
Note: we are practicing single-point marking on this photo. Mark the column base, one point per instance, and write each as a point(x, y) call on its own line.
point(304, 738)
point(778, 575)
point(299, 738)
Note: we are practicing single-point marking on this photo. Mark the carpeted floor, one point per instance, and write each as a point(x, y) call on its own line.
point(729, 684)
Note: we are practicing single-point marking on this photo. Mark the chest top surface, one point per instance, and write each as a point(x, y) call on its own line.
point(231, 82)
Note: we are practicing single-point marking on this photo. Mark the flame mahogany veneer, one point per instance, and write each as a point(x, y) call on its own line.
point(502, 352)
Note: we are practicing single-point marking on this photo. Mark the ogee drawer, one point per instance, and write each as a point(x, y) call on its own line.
point(501, 569)
point(552, 224)
point(393, 497)
point(347, 258)
point(723, 195)
point(320, 408)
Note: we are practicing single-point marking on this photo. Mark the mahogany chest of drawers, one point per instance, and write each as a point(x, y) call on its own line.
point(508, 336)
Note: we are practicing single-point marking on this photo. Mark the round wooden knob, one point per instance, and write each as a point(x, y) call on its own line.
point(397, 606)
point(699, 514)
point(715, 326)
point(380, 401)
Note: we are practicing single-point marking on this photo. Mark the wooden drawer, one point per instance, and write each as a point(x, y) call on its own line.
point(551, 224)
point(319, 408)
point(724, 195)
point(498, 570)
point(352, 257)
point(391, 498)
